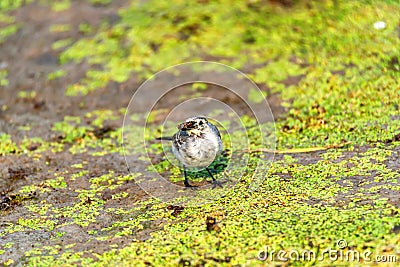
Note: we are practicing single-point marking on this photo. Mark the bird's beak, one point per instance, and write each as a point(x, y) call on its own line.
point(180, 126)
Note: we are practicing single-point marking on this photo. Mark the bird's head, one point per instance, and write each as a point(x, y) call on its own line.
point(194, 125)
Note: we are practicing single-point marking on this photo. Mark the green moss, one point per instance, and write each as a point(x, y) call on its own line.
point(7, 31)
point(85, 28)
point(337, 108)
point(199, 86)
point(55, 183)
point(200, 27)
point(4, 18)
point(41, 209)
point(26, 94)
point(255, 96)
point(79, 174)
point(8, 245)
point(12, 5)
point(100, 2)
point(6, 145)
point(8, 262)
point(3, 78)
point(89, 137)
point(36, 224)
point(61, 44)
point(70, 129)
point(31, 146)
point(98, 117)
point(77, 165)
point(61, 5)
point(60, 28)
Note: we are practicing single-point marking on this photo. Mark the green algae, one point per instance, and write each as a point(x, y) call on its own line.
point(88, 137)
point(62, 5)
point(10, 27)
point(3, 78)
point(277, 213)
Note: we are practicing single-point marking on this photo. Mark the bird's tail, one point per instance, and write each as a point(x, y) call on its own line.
point(164, 138)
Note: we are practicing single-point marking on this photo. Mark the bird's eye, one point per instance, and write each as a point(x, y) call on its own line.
point(201, 122)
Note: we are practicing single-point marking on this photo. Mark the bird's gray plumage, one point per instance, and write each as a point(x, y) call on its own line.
point(197, 143)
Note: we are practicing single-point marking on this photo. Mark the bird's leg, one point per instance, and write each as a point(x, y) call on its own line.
point(214, 181)
point(186, 182)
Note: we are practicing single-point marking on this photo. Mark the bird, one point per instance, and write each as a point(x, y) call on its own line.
point(196, 145)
